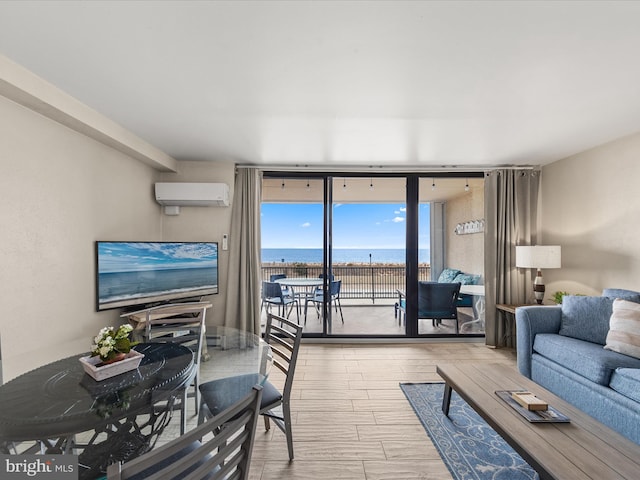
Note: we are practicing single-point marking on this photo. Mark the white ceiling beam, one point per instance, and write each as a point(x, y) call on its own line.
point(27, 89)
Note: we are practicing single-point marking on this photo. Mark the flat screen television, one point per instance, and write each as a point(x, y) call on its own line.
point(145, 273)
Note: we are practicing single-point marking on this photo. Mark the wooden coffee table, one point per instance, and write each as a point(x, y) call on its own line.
point(583, 448)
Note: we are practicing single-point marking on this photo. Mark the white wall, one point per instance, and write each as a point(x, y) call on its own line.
point(204, 224)
point(465, 252)
point(591, 207)
point(60, 191)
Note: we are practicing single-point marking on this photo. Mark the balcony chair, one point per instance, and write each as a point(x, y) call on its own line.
point(286, 291)
point(285, 343)
point(182, 323)
point(400, 307)
point(219, 448)
point(318, 299)
point(437, 301)
point(272, 295)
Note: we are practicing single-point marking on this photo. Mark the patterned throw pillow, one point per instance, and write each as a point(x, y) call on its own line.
point(447, 275)
point(624, 328)
point(466, 279)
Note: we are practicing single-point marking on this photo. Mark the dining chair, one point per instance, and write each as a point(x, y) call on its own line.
point(437, 301)
point(284, 340)
point(182, 323)
point(219, 448)
point(272, 295)
point(318, 299)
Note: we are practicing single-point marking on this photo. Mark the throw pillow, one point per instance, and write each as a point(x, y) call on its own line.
point(447, 275)
point(624, 331)
point(466, 279)
point(586, 318)
point(630, 295)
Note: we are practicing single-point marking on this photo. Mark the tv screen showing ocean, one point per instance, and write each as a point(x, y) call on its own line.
point(340, 255)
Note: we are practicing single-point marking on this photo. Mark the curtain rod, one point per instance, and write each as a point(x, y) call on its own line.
point(385, 168)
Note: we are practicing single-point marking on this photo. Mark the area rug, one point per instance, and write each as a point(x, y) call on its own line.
point(469, 447)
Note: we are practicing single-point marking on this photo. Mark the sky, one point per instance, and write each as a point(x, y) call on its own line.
point(354, 225)
point(140, 256)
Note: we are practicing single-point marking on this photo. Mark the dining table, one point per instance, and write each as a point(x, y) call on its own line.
point(62, 410)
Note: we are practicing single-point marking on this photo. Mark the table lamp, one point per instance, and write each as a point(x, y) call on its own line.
point(538, 257)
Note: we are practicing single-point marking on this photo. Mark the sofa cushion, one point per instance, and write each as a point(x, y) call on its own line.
point(624, 328)
point(586, 359)
point(586, 318)
point(626, 381)
point(447, 275)
point(466, 279)
point(630, 295)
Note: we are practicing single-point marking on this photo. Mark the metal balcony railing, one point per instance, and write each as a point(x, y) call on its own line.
point(368, 282)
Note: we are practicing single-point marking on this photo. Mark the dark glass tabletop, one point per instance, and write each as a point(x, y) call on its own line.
point(59, 399)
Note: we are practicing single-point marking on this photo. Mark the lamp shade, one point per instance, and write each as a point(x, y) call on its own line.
point(538, 256)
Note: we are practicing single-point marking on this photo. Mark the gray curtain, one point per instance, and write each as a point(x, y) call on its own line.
point(511, 199)
point(244, 276)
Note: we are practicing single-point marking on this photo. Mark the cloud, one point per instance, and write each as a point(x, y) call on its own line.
point(306, 224)
point(397, 219)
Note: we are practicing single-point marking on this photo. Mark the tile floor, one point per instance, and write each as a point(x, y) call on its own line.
point(378, 319)
point(351, 420)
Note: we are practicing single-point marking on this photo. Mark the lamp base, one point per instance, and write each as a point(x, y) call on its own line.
point(538, 288)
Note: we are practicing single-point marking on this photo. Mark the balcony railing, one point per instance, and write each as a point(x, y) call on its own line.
point(358, 282)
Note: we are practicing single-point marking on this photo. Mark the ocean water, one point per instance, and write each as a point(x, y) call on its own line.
point(340, 255)
point(127, 285)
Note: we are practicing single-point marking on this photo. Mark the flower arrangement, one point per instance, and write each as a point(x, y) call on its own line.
point(111, 344)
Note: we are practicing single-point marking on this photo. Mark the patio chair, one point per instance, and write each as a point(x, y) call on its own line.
point(400, 307)
point(219, 448)
point(272, 295)
point(318, 299)
point(437, 301)
point(286, 291)
point(285, 343)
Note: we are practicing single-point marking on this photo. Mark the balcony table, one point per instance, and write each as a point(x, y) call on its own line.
point(478, 292)
point(309, 284)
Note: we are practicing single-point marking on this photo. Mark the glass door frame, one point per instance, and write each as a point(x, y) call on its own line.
point(412, 204)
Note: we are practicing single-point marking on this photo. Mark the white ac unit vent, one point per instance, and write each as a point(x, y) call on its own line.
point(192, 194)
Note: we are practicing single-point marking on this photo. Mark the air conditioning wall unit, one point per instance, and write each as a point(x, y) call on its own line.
point(192, 194)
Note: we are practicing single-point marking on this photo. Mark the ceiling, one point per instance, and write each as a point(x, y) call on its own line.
point(369, 189)
point(344, 83)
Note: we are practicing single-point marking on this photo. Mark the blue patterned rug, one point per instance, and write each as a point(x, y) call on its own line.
point(470, 448)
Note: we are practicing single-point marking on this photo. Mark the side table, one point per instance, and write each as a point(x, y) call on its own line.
point(507, 312)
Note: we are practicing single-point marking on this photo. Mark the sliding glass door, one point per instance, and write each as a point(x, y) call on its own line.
point(368, 251)
point(361, 244)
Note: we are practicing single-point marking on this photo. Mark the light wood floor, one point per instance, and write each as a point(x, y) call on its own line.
point(352, 421)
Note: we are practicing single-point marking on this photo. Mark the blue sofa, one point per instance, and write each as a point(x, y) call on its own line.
point(562, 349)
